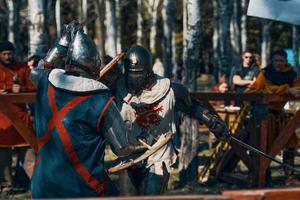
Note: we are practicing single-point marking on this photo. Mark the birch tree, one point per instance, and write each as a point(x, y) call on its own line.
point(37, 28)
point(235, 32)
point(168, 22)
point(193, 42)
point(139, 33)
point(188, 150)
point(82, 12)
point(57, 18)
point(184, 42)
point(111, 29)
point(189, 141)
point(175, 67)
point(100, 27)
point(216, 37)
point(296, 47)
point(224, 7)
point(13, 23)
point(84, 7)
point(266, 42)
point(153, 11)
point(118, 25)
point(244, 25)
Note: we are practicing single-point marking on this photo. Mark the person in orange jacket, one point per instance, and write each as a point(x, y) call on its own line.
point(279, 78)
point(14, 77)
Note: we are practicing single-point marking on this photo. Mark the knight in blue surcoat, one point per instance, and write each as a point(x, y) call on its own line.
point(74, 117)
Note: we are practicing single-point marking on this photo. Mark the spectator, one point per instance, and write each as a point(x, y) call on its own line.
point(244, 75)
point(221, 87)
point(279, 78)
point(14, 77)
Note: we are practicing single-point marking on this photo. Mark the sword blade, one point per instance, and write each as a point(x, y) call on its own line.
point(250, 148)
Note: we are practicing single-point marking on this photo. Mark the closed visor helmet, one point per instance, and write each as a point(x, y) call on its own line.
point(83, 54)
point(138, 69)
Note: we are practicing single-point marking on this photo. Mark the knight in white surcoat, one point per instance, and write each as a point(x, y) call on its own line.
point(147, 104)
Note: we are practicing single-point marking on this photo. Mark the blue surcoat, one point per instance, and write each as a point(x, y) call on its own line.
point(71, 143)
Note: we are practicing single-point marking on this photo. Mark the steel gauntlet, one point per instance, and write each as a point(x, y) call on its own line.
point(216, 125)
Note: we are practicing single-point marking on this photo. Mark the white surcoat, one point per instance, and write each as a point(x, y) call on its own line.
point(151, 112)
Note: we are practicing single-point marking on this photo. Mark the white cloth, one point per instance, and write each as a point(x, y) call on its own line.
point(158, 68)
point(59, 79)
point(151, 112)
point(281, 10)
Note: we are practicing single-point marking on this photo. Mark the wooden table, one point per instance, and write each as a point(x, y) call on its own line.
point(257, 137)
point(5, 107)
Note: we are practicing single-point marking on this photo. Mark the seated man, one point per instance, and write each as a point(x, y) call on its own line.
point(279, 78)
point(243, 76)
point(14, 77)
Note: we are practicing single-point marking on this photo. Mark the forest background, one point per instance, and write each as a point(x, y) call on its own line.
point(182, 33)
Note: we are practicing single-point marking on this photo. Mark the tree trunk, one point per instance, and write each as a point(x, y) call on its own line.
point(188, 155)
point(118, 25)
point(14, 21)
point(224, 30)
point(168, 23)
point(193, 43)
point(235, 32)
point(111, 30)
point(244, 25)
point(139, 33)
point(57, 18)
point(37, 29)
point(216, 39)
point(175, 67)
point(184, 35)
point(100, 30)
point(296, 47)
point(153, 11)
point(3, 21)
point(266, 42)
point(189, 130)
point(84, 6)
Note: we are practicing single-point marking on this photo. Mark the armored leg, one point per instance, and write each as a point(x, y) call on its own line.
point(156, 183)
point(131, 181)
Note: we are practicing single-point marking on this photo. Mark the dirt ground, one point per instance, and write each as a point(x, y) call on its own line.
point(210, 186)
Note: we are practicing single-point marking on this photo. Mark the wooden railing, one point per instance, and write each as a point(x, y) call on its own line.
point(256, 136)
point(258, 169)
point(5, 107)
